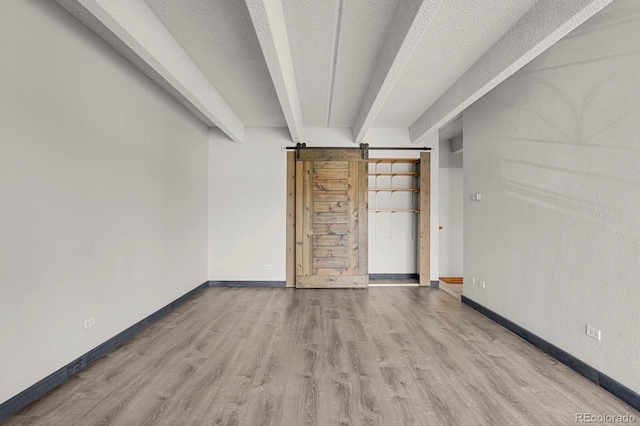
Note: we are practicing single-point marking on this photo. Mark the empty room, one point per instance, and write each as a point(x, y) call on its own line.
point(336, 212)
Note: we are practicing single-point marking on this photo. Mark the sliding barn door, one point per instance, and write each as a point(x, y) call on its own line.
point(331, 219)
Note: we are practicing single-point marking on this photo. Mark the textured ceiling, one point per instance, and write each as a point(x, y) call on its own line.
point(355, 64)
point(461, 32)
point(334, 46)
point(220, 39)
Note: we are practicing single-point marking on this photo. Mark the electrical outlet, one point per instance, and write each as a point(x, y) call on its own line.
point(593, 332)
point(268, 266)
point(476, 197)
point(481, 283)
point(89, 322)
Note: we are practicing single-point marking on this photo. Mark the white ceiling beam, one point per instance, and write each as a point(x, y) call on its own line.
point(136, 32)
point(411, 20)
point(542, 26)
point(268, 20)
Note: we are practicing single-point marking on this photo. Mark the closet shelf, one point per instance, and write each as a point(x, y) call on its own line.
point(394, 189)
point(394, 160)
point(394, 211)
point(394, 174)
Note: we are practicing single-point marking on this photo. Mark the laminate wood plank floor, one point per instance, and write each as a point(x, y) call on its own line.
point(273, 356)
point(454, 290)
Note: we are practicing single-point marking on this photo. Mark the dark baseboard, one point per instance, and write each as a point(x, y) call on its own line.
point(618, 389)
point(394, 276)
point(38, 390)
point(435, 283)
point(247, 284)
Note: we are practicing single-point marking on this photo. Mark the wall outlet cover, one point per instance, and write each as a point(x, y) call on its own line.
point(89, 322)
point(593, 332)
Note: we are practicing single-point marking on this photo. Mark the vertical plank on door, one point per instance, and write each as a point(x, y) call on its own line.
point(291, 219)
point(354, 211)
point(363, 197)
point(307, 219)
point(299, 217)
point(425, 218)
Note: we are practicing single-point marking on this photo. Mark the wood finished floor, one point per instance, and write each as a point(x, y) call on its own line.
point(266, 356)
point(454, 290)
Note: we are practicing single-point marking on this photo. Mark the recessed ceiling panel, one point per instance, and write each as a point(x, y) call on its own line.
point(461, 32)
point(220, 39)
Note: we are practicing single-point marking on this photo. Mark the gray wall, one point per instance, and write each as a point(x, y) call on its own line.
point(103, 193)
point(555, 152)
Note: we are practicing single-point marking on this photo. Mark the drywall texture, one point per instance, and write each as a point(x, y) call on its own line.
point(554, 152)
point(103, 189)
point(451, 220)
point(247, 204)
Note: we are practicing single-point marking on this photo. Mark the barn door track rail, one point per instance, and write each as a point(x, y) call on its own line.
point(364, 148)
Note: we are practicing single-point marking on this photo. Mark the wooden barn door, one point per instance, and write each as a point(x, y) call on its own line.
point(331, 219)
